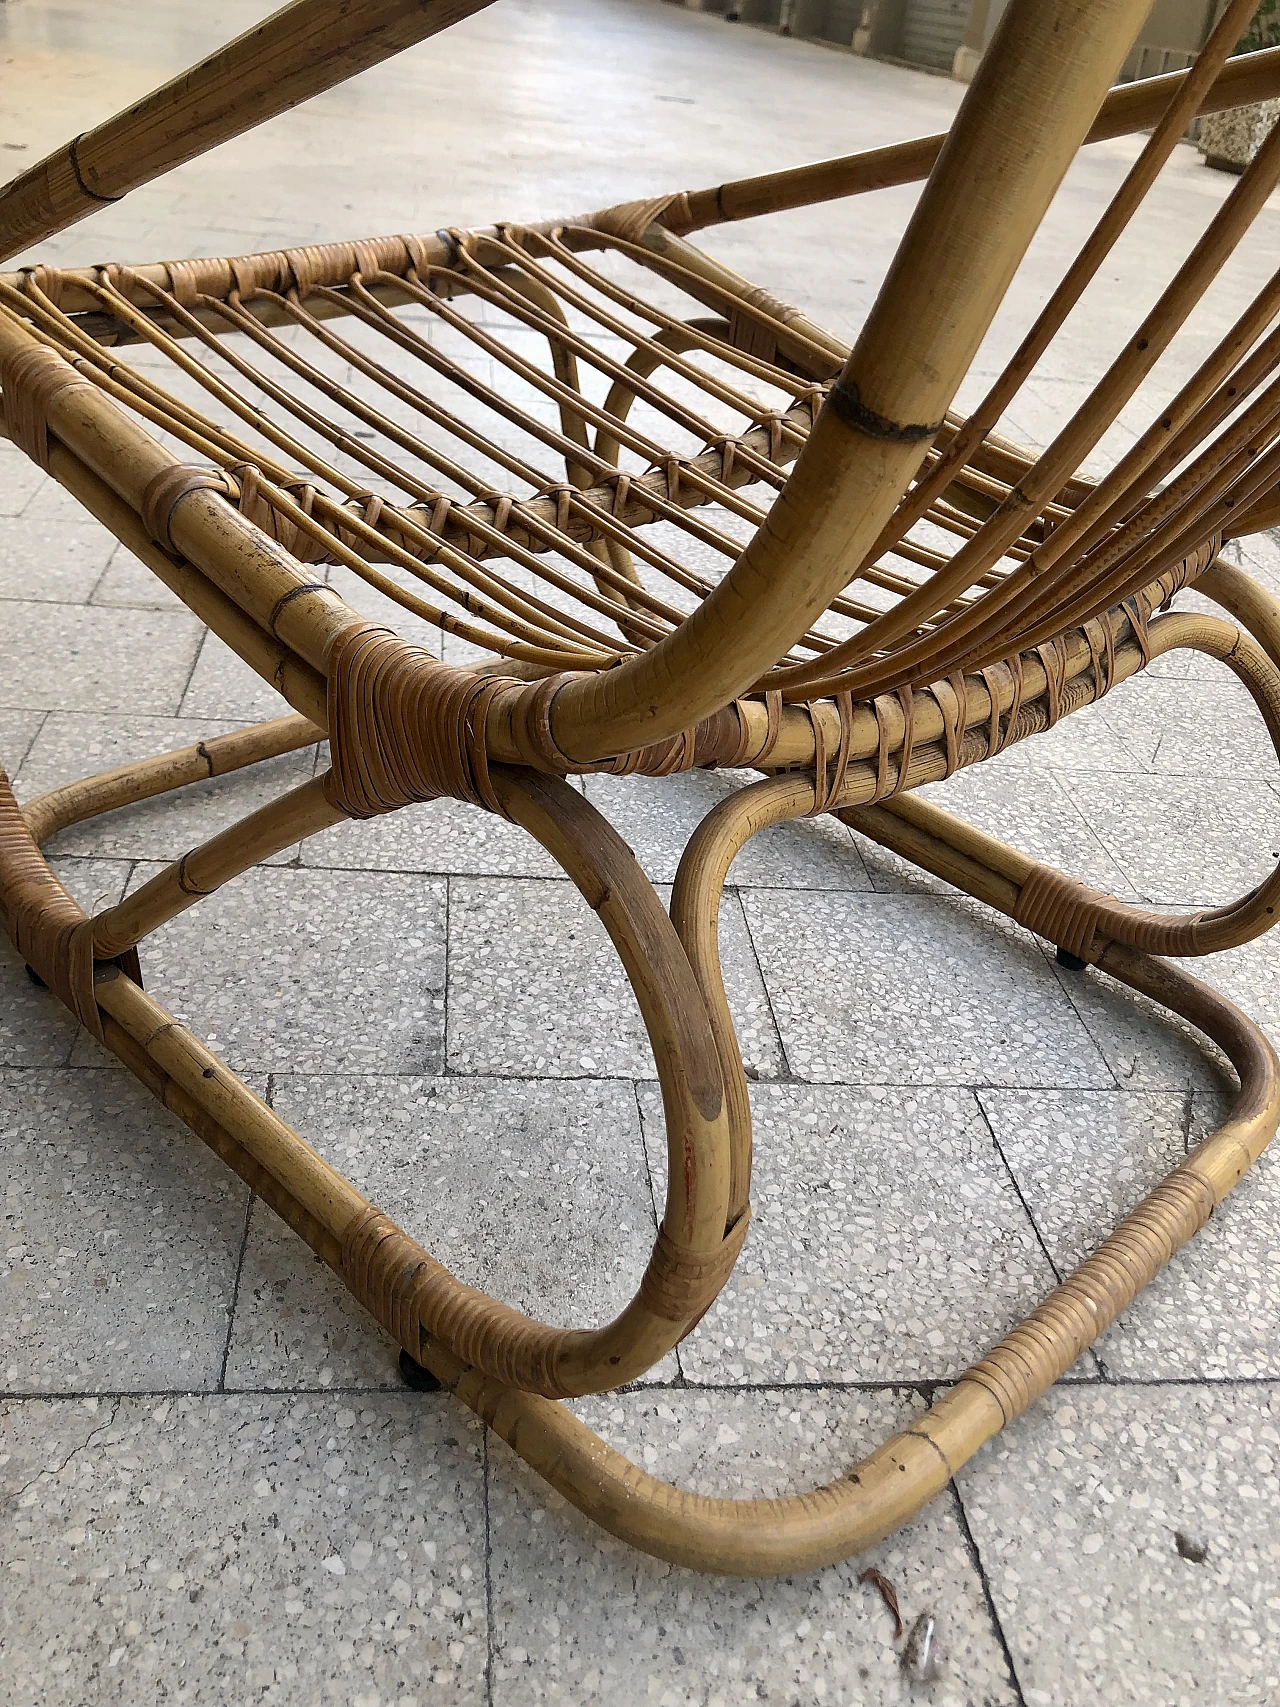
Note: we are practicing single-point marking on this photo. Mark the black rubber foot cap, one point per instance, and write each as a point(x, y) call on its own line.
point(1072, 962)
point(415, 1376)
point(36, 979)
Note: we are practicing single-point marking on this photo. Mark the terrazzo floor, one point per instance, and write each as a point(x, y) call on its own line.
point(215, 1487)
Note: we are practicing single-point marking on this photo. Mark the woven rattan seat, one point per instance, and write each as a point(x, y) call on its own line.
point(657, 519)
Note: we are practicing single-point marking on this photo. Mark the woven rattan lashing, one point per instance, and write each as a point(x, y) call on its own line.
point(661, 519)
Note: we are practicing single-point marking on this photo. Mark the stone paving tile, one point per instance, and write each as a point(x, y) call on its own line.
point(1186, 845)
point(1036, 814)
point(1180, 730)
point(35, 1029)
point(122, 1235)
point(891, 874)
point(536, 1191)
point(20, 479)
point(18, 729)
point(127, 581)
point(1091, 739)
point(894, 989)
point(1075, 1510)
point(887, 1241)
point(1149, 1048)
point(53, 552)
point(299, 971)
point(1083, 1159)
point(77, 658)
point(658, 816)
point(579, 1618)
point(438, 836)
point(536, 987)
point(223, 685)
point(69, 747)
point(215, 1549)
point(296, 1325)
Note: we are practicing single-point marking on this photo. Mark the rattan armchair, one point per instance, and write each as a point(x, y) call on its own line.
point(662, 520)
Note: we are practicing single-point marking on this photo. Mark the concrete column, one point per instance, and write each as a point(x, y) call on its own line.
point(983, 19)
point(880, 29)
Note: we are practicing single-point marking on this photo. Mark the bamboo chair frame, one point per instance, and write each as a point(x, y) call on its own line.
point(836, 647)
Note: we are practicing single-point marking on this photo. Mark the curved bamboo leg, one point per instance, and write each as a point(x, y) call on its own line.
point(144, 780)
point(1079, 920)
point(1251, 605)
point(414, 1296)
point(744, 1537)
point(302, 812)
point(765, 1537)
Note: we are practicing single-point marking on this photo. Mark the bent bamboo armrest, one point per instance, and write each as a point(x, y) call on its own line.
point(1002, 163)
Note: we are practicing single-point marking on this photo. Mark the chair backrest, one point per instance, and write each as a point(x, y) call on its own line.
point(1065, 556)
point(886, 453)
point(1027, 112)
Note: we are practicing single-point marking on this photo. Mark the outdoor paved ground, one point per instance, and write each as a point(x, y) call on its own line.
point(216, 1488)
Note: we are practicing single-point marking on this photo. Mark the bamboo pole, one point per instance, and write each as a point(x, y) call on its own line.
point(1131, 107)
point(144, 779)
point(250, 841)
point(300, 51)
point(295, 681)
point(1124, 205)
point(1031, 105)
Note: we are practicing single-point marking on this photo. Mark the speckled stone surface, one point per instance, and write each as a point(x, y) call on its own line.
point(221, 684)
point(1083, 1159)
point(121, 1239)
point(1188, 846)
point(1029, 808)
point(294, 1548)
point(18, 729)
point(1075, 1511)
point(536, 987)
point(1235, 136)
point(83, 658)
point(537, 1191)
point(296, 1325)
point(126, 581)
point(887, 1241)
point(55, 551)
point(20, 479)
point(882, 988)
point(1178, 736)
point(284, 969)
point(577, 1618)
point(70, 747)
point(438, 836)
point(1150, 1048)
point(658, 815)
